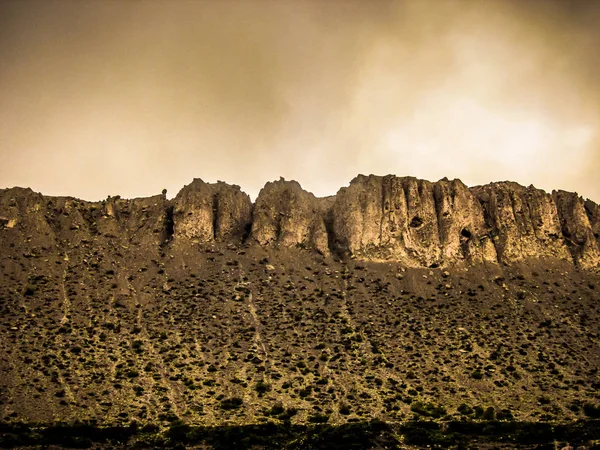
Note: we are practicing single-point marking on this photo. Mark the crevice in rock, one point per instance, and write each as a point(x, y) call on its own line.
point(169, 224)
point(587, 206)
point(438, 200)
point(484, 200)
point(385, 189)
point(465, 238)
point(517, 215)
point(247, 231)
point(332, 244)
point(563, 204)
point(215, 215)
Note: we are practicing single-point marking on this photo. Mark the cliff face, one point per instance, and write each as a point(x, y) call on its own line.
point(415, 222)
point(428, 224)
point(287, 215)
point(207, 212)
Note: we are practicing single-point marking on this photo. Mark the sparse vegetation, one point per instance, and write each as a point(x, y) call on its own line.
point(117, 326)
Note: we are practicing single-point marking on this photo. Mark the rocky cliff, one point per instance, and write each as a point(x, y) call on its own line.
point(381, 218)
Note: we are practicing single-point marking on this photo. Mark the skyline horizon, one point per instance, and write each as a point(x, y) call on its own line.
point(171, 194)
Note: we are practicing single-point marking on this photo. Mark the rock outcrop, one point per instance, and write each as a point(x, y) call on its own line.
point(207, 212)
point(287, 215)
point(414, 222)
point(522, 222)
point(577, 229)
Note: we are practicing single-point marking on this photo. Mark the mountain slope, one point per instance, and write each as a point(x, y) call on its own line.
point(395, 298)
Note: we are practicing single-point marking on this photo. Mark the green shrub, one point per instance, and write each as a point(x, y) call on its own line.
point(29, 291)
point(428, 409)
point(478, 412)
point(318, 418)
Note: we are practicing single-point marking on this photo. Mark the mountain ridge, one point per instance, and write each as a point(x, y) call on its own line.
point(378, 218)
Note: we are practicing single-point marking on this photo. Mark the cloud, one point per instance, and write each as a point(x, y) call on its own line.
point(101, 98)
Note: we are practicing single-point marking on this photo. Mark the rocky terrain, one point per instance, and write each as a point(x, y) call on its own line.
point(397, 299)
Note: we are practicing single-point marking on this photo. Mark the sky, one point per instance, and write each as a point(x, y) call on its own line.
point(126, 98)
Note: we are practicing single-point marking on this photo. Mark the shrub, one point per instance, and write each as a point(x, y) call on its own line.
point(478, 412)
point(464, 409)
point(277, 409)
point(261, 387)
point(178, 431)
point(428, 409)
point(318, 418)
point(232, 403)
point(591, 410)
point(489, 413)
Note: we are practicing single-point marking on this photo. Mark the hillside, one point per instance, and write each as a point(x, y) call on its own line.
point(396, 299)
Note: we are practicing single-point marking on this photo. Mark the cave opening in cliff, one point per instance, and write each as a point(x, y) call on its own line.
point(416, 222)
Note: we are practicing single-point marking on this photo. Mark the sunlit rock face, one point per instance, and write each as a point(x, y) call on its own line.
point(387, 218)
point(428, 224)
point(576, 220)
point(463, 233)
point(414, 222)
point(207, 212)
point(286, 215)
point(521, 222)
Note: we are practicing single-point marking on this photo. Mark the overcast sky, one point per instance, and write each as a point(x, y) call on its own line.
point(106, 97)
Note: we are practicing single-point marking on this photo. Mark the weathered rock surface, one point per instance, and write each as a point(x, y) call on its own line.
point(287, 215)
point(206, 212)
point(522, 222)
point(428, 224)
point(577, 229)
point(381, 218)
point(413, 221)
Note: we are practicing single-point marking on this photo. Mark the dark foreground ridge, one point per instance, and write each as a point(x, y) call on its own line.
point(357, 435)
point(398, 300)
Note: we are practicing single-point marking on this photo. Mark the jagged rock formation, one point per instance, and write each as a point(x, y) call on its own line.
point(287, 215)
point(206, 212)
point(414, 222)
point(429, 224)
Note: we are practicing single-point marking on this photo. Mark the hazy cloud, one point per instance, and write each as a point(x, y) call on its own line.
point(107, 97)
